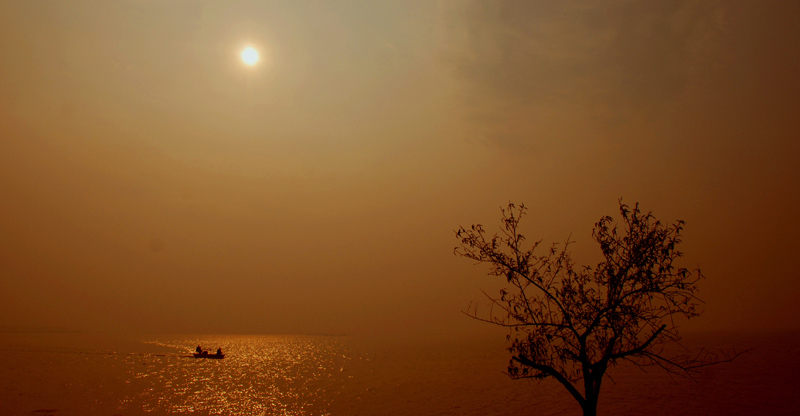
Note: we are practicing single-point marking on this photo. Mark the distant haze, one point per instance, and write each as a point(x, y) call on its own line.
point(150, 181)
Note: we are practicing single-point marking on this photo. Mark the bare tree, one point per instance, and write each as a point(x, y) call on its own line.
point(571, 323)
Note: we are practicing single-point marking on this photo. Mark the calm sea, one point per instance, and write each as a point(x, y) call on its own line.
point(84, 374)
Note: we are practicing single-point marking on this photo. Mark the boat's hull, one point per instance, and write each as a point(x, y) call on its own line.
point(214, 356)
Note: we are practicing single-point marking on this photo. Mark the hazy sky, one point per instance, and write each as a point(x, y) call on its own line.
point(150, 181)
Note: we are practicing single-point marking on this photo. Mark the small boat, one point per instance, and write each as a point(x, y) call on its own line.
point(205, 354)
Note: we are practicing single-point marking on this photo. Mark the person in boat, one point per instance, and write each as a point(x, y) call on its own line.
point(199, 350)
point(219, 351)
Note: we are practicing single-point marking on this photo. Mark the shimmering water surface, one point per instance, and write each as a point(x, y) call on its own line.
point(259, 376)
point(82, 374)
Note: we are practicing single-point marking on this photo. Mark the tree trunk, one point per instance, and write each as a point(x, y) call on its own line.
point(590, 409)
point(592, 393)
point(589, 405)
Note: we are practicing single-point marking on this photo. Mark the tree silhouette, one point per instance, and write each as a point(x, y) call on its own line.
point(571, 323)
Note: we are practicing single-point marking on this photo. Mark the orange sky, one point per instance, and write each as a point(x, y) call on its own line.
point(152, 182)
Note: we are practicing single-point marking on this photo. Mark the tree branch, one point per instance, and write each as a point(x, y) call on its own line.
point(555, 374)
point(641, 347)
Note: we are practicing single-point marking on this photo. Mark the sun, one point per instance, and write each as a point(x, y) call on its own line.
point(250, 56)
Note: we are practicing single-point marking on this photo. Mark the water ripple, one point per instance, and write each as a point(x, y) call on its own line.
point(261, 375)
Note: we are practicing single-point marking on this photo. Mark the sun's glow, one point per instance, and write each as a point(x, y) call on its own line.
point(250, 56)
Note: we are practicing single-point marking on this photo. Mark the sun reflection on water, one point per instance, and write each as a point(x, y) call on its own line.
point(260, 375)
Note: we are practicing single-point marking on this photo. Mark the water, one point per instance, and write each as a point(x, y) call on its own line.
point(82, 374)
point(259, 376)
